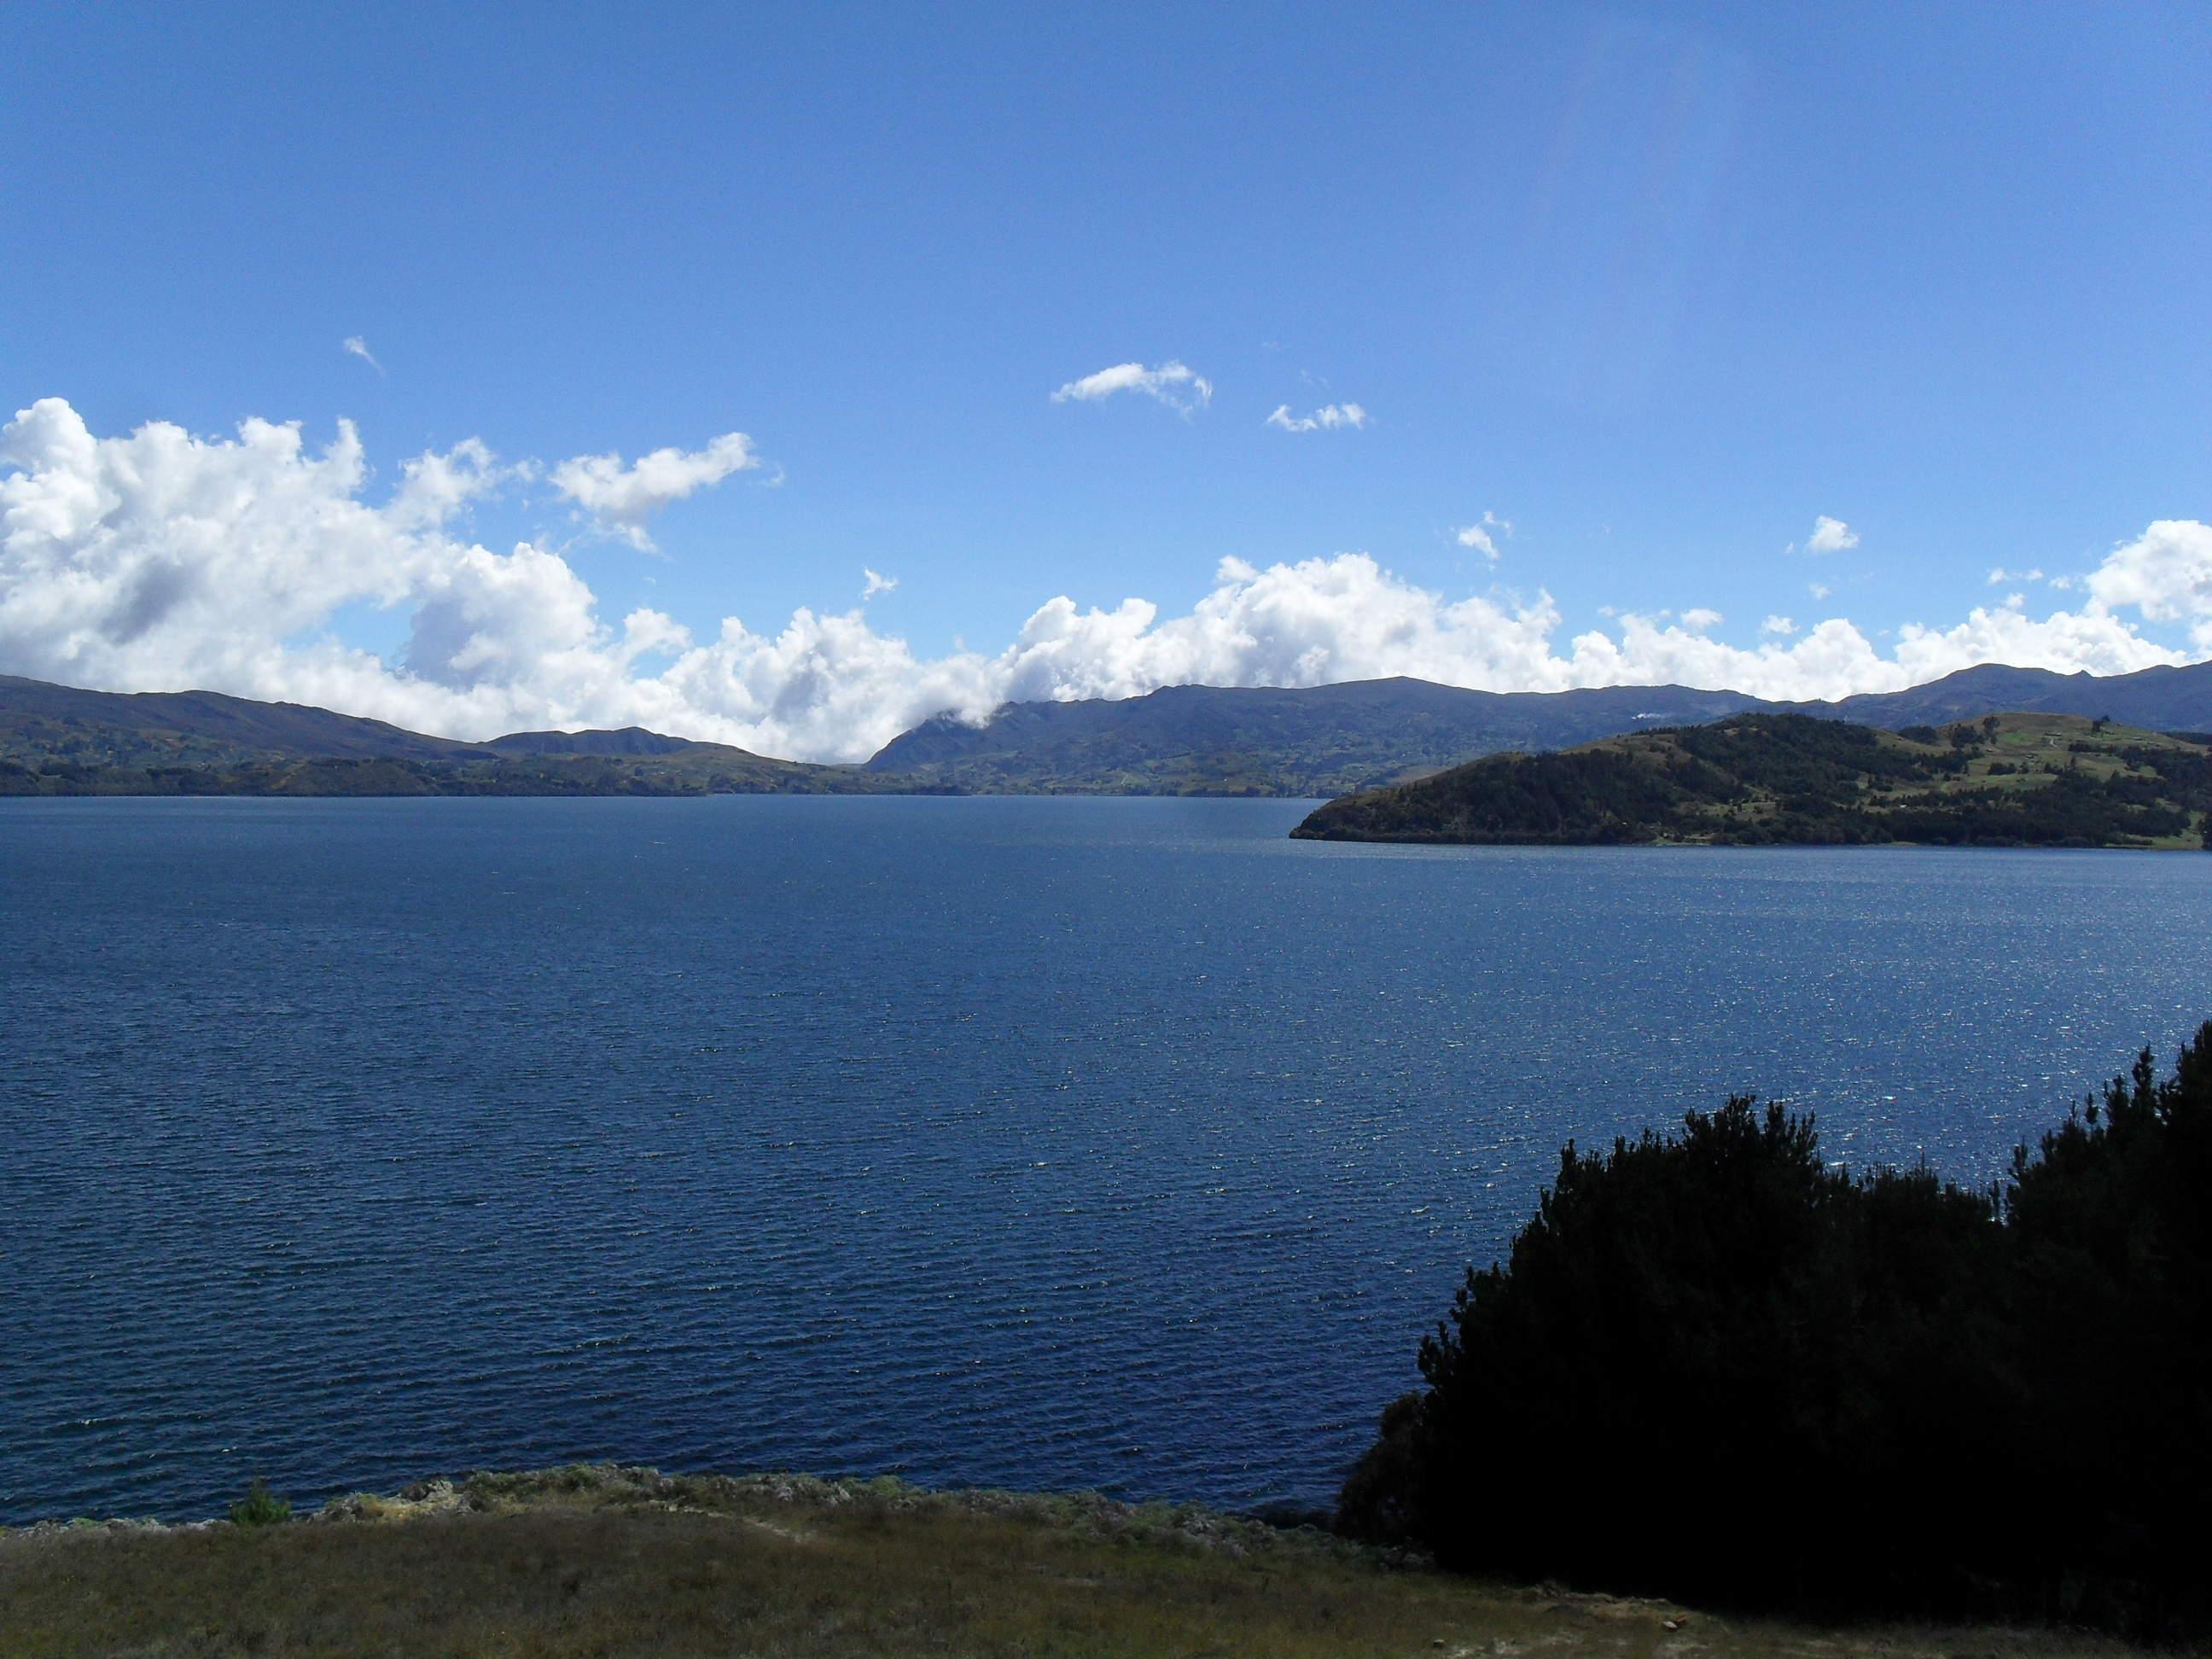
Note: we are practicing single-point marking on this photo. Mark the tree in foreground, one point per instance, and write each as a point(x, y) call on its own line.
point(1712, 1366)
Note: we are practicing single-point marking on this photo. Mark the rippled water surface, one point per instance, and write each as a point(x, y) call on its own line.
point(1050, 1143)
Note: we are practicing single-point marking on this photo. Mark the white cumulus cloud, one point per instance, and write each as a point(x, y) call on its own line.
point(1180, 388)
point(1830, 536)
point(161, 560)
point(358, 348)
point(1479, 536)
point(2165, 573)
point(877, 584)
point(1324, 419)
point(623, 498)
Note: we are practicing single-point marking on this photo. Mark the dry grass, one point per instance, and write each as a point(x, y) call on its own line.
point(611, 1562)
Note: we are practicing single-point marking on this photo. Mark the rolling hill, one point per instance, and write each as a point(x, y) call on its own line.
point(55, 740)
point(2015, 780)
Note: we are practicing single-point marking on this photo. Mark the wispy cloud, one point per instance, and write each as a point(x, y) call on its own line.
point(2001, 574)
point(1327, 418)
point(875, 584)
point(1778, 625)
point(358, 348)
point(1181, 388)
point(623, 498)
point(1479, 536)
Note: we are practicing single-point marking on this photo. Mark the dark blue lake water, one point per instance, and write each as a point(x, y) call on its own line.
point(1051, 1143)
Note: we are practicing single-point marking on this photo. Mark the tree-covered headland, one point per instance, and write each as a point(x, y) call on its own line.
point(1714, 1366)
point(2015, 780)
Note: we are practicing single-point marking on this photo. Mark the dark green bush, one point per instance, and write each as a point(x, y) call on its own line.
point(1712, 1366)
point(260, 1507)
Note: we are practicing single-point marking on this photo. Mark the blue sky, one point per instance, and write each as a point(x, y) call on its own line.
point(1658, 286)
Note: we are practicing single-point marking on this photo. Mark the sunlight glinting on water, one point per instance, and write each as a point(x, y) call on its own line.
point(1049, 1143)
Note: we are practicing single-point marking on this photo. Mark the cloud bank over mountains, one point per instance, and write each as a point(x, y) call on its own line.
point(161, 561)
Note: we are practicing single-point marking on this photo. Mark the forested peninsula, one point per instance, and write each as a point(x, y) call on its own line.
point(2014, 779)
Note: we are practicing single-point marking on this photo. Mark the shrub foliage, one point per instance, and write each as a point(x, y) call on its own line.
point(260, 1507)
point(1713, 1366)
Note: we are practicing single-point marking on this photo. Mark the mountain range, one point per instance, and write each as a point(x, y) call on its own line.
point(1300, 742)
point(1332, 740)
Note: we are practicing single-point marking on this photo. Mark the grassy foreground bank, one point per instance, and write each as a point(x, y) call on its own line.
point(615, 1561)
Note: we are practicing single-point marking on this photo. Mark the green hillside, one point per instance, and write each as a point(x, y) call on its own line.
point(2018, 780)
